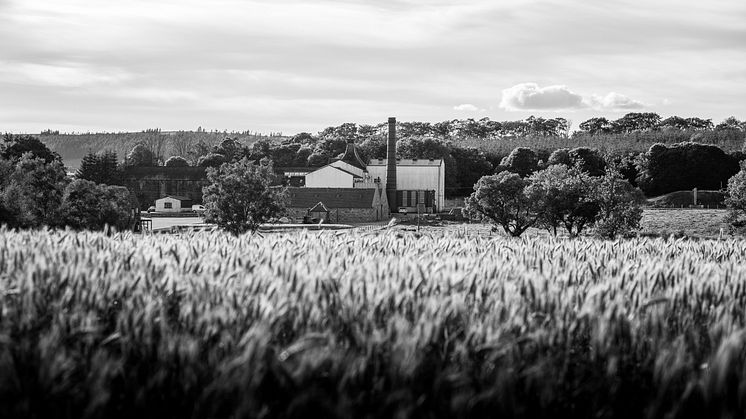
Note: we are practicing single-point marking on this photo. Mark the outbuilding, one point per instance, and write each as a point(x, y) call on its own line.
point(338, 205)
point(173, 204)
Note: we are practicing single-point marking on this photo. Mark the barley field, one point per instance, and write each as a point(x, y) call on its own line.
point(369, 325)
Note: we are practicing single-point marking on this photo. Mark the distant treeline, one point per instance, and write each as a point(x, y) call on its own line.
point(73, 147)
point(471, 148)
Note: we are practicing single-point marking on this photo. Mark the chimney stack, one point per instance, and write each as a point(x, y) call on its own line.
point(391, 167)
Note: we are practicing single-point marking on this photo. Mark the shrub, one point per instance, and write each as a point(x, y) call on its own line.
point(211, 160)
point(176, 161)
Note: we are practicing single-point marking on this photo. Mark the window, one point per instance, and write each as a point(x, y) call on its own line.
point(167, 205)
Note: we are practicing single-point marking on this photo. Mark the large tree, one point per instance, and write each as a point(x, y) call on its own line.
point(32, 194)
point(503, 200)
point(90, 206)
point(684, 166)
point(620, 205)
point(239, 197)
point(100, 168)
point(566, 197)
point(141, 156)
point(15, 146)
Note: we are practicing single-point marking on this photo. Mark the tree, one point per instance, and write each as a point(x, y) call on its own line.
point(100, 168)
point(638, 121)
point(502, 199)
point(684, 166)
point(588, 160)
point(155, 142)
point(731, 123)
point(560, 156)
point(141, 156)
point(521, 160)
point(176, 161)
point(596, 126)
point(33, 192)
point(239, 197)
point(317, 159)
point(471, 165)
point(211, 160)
point(566, 198)
point(302, 155)
point(736, 200)
point(620, 205)
point(15, 146)
point(90, 206)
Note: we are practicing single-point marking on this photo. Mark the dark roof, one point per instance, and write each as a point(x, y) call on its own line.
point(180, 198)
point(331, 197)
point(351, 157)
point(294, 169)
point(349, 173)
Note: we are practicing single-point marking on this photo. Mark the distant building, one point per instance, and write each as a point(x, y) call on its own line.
point(173, 204)
point(414, 184)
point(150, 183)
point(414, 179)
point(338, 205)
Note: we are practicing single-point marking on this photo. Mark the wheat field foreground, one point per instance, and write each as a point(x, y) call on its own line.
point(369, 325)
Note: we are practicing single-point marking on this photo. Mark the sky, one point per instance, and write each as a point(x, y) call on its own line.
point(291, 66)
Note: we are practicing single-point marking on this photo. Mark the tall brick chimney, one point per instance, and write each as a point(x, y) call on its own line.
point(391, 166)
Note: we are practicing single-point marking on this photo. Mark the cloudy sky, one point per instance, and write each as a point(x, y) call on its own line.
point(290, 66)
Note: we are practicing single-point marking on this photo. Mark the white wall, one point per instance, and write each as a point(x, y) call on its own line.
point(160, 205)
point(416, 178)
point(348, 167)
point(329, 177)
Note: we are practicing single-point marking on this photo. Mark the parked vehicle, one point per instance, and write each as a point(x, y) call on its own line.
point(198, 208)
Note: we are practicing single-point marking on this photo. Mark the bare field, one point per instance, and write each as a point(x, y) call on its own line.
point(688, 222)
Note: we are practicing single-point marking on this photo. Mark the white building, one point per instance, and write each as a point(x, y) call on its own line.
point(331, 177)
point(419, 182)
point(173, 204)
point(415, 175)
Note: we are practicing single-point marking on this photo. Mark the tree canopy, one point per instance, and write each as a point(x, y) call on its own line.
point(239, 197)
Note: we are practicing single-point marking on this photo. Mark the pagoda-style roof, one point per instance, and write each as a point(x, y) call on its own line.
point(352, 157)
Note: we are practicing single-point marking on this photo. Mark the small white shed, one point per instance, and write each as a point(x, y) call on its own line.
point(173, 204)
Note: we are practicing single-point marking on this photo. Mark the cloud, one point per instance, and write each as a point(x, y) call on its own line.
point(614, 101)
point(529, 96)
point(532, 97)
point(467, 107)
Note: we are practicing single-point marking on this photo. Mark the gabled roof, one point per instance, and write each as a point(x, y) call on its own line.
point(320, 207)
point(331, 198)
point(343, 170)
point(340, 169)
point(178, 198)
